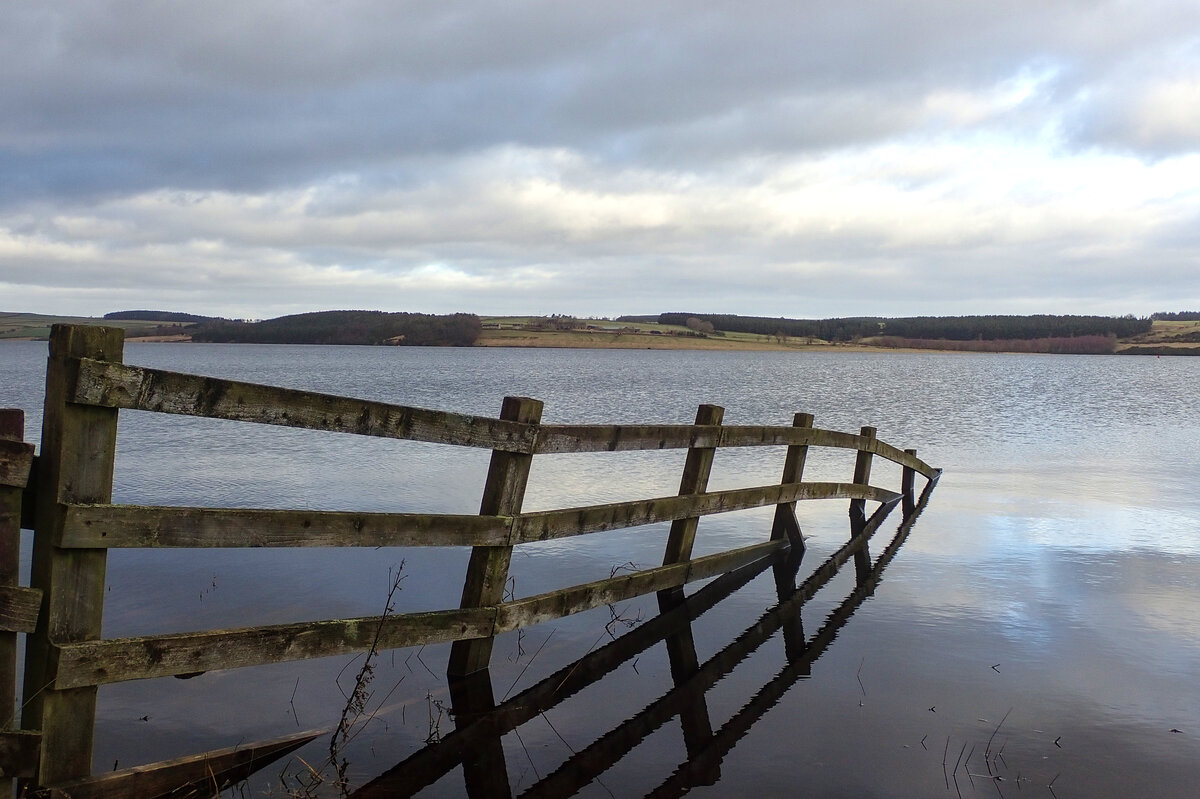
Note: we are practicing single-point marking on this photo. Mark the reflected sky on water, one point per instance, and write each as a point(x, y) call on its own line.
point(1054, 575)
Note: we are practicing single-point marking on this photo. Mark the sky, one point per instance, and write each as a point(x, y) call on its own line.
point(807, 158)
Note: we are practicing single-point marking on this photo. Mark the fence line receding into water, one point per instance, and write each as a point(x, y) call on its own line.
point(64, 495)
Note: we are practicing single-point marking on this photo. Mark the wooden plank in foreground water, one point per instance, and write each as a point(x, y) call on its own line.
point(194, 776)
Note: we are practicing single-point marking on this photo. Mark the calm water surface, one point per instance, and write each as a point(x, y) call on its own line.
point(1053, 581)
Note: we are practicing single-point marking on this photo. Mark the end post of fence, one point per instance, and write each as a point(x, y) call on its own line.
point(75, 466)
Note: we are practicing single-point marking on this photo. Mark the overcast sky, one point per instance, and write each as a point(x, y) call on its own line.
point(802, 158)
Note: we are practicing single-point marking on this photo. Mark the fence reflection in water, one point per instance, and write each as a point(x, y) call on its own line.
point(476, 743)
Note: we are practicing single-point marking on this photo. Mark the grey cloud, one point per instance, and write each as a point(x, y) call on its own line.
point(134, 95)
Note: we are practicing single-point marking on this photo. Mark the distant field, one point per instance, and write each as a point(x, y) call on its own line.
point(515, 331)
point(37, 326)
point(1173, 335)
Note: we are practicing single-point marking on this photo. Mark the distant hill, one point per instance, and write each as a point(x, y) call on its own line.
point(347, 327)
point(157, 316)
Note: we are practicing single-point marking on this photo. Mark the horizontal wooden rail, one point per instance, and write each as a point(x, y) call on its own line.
point(121, 659)
point(563, 439)
point(115, 385)
point(545, 525)
point(139, 526)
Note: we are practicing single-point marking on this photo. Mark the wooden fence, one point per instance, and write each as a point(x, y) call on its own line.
point(68, 504)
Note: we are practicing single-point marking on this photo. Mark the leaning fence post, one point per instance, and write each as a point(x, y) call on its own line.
point(862, 476)
point(696, 470)
point(487, 571)
point(76, 466)
point(793, 472)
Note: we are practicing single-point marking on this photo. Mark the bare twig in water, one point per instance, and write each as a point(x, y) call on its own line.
point(618, 619)
point(435, 724)
point(355, 712)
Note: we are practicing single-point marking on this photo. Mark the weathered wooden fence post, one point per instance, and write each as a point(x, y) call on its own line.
point(18, 606)
point(76, 466)
point(793, 472)
point(907, 479)
point(696, 470)
point(487, 572)
point(862, 476)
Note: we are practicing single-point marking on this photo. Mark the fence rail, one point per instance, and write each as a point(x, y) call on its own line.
point(76, 523)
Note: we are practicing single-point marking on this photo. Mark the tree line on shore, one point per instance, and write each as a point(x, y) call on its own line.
point(921, 328)
point(347, 327)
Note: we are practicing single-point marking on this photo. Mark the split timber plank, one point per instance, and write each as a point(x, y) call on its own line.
point(193, 776)
point(567, 601)
point(121, 659)
point(547, 525)
point(137, 526)
point(114, 385)
point(19, 751)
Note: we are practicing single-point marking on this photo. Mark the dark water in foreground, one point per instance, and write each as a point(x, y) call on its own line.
point(1052, 583)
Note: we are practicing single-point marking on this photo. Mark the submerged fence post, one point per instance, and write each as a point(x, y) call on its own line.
point(76, 466)
point(862, 476)
point(487, 572)
point(695, 481)
point(786, 523)
point(907, 479)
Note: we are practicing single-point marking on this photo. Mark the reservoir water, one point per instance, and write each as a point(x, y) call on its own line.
point(1041, 621)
